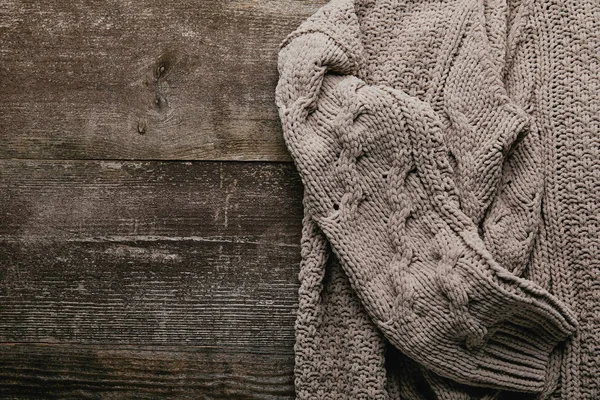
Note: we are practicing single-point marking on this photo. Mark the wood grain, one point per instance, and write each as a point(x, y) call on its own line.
point(198, 253)
point(142, 372)
point(148, 279)
point(144, 80)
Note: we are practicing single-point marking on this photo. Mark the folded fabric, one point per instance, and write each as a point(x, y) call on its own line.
point(411, 188)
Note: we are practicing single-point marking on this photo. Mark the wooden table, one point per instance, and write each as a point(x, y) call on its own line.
point(150, 214)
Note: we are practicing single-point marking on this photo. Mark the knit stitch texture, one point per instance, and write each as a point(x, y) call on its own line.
point(450, 228)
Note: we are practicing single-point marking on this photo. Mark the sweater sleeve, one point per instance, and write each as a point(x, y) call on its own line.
point(379, 184)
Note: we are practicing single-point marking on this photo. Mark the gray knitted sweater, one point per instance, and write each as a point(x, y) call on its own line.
point(450, 156)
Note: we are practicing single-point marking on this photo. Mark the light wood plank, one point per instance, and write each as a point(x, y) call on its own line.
point(150, 80)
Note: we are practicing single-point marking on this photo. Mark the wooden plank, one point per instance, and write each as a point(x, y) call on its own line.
point(150, 79)
point(126, 372)
point(156, 292)
point(153, 253)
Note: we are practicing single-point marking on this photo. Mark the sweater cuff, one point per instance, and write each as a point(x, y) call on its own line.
point(477, 323)
point(449, 306)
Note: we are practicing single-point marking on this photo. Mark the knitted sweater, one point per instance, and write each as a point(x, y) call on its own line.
point(449, 152)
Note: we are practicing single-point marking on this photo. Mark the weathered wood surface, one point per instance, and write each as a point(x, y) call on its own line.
point(138, 372)
point(148, 79)
point(168, 278)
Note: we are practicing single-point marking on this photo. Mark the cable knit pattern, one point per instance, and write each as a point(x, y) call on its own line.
point(421, 133)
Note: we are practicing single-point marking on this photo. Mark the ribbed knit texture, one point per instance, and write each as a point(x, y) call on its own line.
point(449, 152)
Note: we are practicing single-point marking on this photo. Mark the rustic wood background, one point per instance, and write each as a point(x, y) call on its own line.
point(149, 212)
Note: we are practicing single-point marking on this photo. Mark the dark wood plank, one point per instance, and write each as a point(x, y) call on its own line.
point(195, 253)
point(158, 292)
point(145, 79)
point(124, 372)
